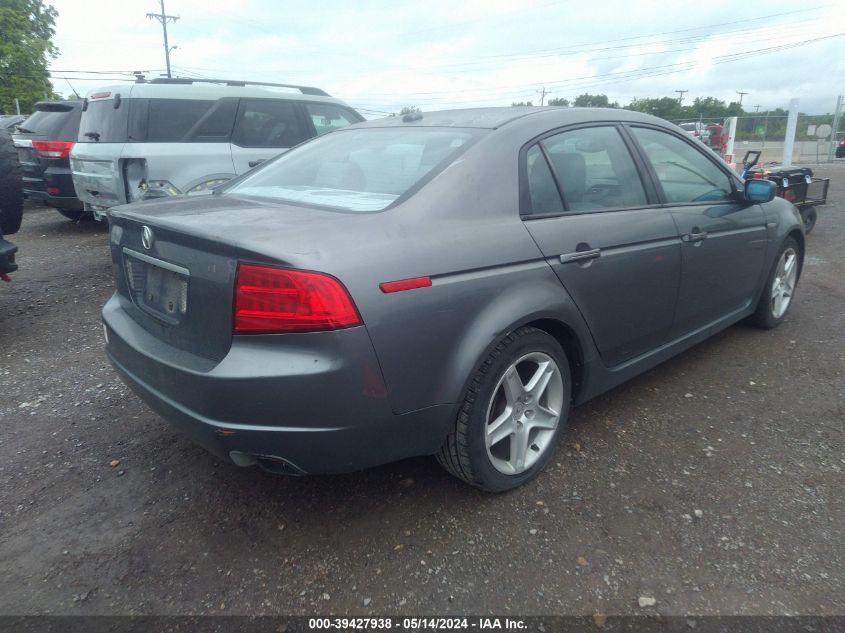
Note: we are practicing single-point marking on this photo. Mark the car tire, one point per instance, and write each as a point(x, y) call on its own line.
point(780, 286)
point(809, 216)
point(503, 437)
point(11, 187)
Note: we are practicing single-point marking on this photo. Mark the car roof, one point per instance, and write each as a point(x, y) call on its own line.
point(493, 118)
point(208, 90)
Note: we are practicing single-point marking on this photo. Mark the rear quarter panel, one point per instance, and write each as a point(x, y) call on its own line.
point(184, 165)
point(96, 173)
point(488, 277)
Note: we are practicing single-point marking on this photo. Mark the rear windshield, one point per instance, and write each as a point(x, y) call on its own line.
point(53, 125)
point(103, 123)
point(357, 169)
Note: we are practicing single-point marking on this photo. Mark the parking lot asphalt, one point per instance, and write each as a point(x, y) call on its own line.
point(712, 484)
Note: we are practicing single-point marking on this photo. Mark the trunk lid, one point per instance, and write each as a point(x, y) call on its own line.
point(178, 283)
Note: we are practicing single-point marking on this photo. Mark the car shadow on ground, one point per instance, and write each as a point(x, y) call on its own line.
point(61, 225)
point(421, 477)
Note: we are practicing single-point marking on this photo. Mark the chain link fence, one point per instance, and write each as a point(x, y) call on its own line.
point(815, 138)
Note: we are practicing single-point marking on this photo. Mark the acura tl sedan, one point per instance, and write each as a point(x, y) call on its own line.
point(447, 283)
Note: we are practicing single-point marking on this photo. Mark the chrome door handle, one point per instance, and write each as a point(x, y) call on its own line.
point(694, 237)
point(580, 256)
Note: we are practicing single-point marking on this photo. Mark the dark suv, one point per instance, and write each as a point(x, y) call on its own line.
point(44, 142)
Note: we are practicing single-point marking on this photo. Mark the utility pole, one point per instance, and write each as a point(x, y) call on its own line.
point(163, 18)
point(741, 95)
point(757, 108)
point(543, 94)
point(681, 94)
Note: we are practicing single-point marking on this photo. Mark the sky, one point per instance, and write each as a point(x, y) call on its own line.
point(381, 55)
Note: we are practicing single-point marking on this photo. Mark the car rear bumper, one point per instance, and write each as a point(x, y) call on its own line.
point(52, 185)
point(60, 202)
point(305, 403)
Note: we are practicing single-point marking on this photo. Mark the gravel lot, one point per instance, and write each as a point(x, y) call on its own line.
point(713, 484)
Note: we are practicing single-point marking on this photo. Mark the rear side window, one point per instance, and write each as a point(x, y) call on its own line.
point(545, 198)
point(356, 169)
point(269, 123)
point(182, 120)
point(594, 169)
point(327, 118)
point(685, 174)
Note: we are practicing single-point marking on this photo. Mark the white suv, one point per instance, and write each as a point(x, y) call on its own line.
point(167, 137)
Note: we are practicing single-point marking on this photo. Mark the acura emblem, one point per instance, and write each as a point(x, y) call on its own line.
point(147, 237)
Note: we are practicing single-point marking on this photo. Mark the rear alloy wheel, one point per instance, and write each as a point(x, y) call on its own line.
point(512, 413)
point(780, 286)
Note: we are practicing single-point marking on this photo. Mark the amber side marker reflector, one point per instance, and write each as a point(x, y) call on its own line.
point(405, 284)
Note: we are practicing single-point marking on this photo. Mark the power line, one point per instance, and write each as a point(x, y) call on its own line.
point(589, 81)
point(106, 72)
point(163, 18)
point(598, 46)
point(632, 73)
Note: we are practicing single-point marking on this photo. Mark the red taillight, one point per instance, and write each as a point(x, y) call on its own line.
point(53, 149)
point(405, 284)
point(275, 300)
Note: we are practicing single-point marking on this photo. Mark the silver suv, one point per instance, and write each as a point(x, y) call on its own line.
point(167, 137)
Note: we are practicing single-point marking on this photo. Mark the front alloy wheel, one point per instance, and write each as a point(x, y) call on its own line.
point(783, 286)
point(780, 286)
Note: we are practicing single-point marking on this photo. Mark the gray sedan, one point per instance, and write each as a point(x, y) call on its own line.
point(448, 283)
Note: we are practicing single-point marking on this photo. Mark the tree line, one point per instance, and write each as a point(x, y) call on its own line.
point(27, 28)
point(768, 125)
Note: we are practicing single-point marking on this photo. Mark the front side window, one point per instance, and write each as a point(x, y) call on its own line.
point(356, 169)
point(594, 169)
point(685, 174)
point(269, 123)
point(327, 117)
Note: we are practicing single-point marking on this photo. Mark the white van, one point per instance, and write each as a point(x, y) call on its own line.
point(167, 137)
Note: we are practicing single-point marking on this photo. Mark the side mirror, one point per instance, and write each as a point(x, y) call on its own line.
point(760, 191)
